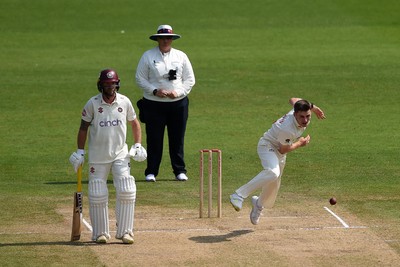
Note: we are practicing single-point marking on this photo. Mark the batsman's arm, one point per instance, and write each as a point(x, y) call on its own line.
point(82, 134)
point(136, 130)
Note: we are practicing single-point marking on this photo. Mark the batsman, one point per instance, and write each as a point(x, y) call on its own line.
point(284, 136)
point(108, 114)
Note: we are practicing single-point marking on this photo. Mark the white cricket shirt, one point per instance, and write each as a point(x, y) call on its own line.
point(152, 73)
point(108, 124)
point(284, 131)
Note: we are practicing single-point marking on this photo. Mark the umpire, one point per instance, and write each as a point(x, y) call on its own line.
point(166, 77)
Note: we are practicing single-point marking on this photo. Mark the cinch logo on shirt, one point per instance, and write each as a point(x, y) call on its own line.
point(110, 123)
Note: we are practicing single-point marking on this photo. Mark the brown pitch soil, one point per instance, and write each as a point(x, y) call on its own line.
point(296, 235)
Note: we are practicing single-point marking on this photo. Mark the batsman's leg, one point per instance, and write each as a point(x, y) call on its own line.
point(125, 205)
point(98, 203)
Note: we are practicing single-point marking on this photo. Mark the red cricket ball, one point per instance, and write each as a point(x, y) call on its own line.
point(332, 201)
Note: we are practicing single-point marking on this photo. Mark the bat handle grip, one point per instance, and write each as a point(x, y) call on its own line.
point(79, 174)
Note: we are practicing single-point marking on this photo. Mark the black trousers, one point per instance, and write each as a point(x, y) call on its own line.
point(161, 115)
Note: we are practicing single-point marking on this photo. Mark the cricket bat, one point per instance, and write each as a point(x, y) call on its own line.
point(77, 214)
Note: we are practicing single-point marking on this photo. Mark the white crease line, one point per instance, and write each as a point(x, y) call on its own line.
point(351, 227)
point(337, 217)
point(176, 230)
point(328, 227)
point(197, 218)
point(88, 226)
point(392, 241)
point(23, 233)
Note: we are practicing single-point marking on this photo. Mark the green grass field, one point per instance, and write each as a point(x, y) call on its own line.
point(249, 58)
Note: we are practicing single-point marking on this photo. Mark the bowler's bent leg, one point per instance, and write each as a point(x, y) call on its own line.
point(267, 176)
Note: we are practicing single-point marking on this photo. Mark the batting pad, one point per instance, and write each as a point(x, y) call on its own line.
point(98, 202)
point(125, 207)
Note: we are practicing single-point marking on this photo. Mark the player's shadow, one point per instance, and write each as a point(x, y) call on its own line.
point(42, 243)
point(57, 243)
point(110, 181)
point(219, 238)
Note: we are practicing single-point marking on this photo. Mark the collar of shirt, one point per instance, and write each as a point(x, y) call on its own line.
point(115, 101)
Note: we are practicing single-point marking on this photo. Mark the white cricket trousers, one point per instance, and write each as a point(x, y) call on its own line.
point(125, 188)
point(269, 179)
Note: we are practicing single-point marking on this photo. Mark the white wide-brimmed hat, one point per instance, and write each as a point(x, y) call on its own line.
point(164, 30)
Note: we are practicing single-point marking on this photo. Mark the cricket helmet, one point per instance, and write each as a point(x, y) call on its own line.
point(107, 75)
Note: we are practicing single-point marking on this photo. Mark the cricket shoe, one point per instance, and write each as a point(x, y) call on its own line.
point(150, 178)
point(255, 211)
point(182, 177)
point(127, 239)
point(101, 239)
point(236, 201)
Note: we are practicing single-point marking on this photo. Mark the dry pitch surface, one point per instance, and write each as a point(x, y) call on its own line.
point(303, 235)
point(296, 235)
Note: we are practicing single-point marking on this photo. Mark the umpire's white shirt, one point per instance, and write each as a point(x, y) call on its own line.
point(284, 131)
point(152, 73)
point(107, 131)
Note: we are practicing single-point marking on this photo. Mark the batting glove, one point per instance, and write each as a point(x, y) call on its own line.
point(77, 159)
point(138, 153)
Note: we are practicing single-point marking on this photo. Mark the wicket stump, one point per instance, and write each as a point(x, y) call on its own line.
point(210, 171)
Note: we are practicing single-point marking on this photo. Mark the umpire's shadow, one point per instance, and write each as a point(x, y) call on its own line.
point(219, 238)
